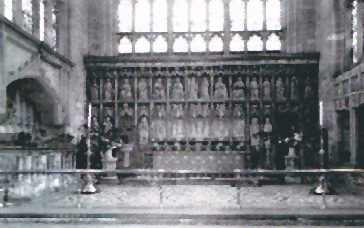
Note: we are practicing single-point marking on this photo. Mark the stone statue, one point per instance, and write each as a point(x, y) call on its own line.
point(177, 90)
point(239, 89)
point(220, 90)
point(254, 89)
point(94, 91)
point(219, 128)
point(177, 124)
point(108, 90)
point(267, 128)
point(95, 127)
point(125, 91)
point(280, 89)
point(143, 89)
point(238, 124)
point(193, 123)
point(143, 131)
point(308, 89)
point(254, 132)
point(294, 88)
point(108, 128)
point(126, 117)
point(205, 85)
point(193, 89)
point(266, 90)
point(143, 111)
point(204, 122)
point(159, 91)
point(158, 124)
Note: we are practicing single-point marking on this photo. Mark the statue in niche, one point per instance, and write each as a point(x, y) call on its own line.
point(125, 91)
point(308, 89)
point(254, 89)
point(94, 91)
point(126, 117)
point(95, 127)
point(205, 85)
point(254, 132)
point(143, 89)
point(294, 88)
point(254, 109)
point(219, 128)
point(108, 90)
point(205, 113)
point(266, 90)
point(267, 128)
point(159, 91)
point(239, 89)
point(177, 124)
point(177, 90)
point(158, 124)
point(193, 89)
point(143, 131)
point(280, 89)
point(220, 90)
point(143, 111)
point(193, 123)
point(108, 112)
point(108, 128)
point(238, 123)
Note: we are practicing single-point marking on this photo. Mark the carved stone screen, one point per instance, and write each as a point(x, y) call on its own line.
point(206, 113)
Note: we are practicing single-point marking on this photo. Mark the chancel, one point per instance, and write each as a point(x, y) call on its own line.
point(210, 108)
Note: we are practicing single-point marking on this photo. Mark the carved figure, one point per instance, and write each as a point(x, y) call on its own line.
point(238, 124)
point(95, 127)
point(177, 125)
point(267, 128)
point(294, 88)
point(107, 128)
point(143, 89)
point(280, 89)
point(193, 89)
point(159, 91)
point(205, 85)
point(143, 131)
point(239, 89)
point(220, 90)
point(94, 91)
point(308, 90)
point(125, 91)
point(108, 90)
point(193, 123)
point(266, 90)
point(177, 90)
point(219, 128)
point(254, 89)
point(254, 132)
point(126, 117)
point(158, 124)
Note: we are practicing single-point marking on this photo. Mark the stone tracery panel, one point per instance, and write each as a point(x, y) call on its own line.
point(205, 108)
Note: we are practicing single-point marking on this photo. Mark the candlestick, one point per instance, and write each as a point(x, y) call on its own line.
point(321, 108)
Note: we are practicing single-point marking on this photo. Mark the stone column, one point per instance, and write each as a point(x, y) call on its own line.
point(353, 136)
point(48, 6)
point(18, 12)
point(36, 18)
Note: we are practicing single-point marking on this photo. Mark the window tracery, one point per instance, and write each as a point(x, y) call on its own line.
point(200, 25)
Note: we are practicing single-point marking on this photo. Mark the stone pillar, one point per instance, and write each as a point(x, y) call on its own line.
point(2, 8)
point(18, 12)
point(353, 136)
point(35, 17)
point(48, 6)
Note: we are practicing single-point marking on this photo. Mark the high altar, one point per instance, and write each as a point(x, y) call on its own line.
point(205, 112)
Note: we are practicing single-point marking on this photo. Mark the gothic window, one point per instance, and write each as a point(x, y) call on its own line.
point(160, 16)
point(125, 46)
point(198, 15)
point(216, 44)
point(198, 44)
point(53, 29)
point(355, 31)
point(8, 9)
point(160, 45)
point(41, 20)
point(255, 43)
point(200, 25)
point(237, 43)
point(125, 16)
point(142, 45)
point(180, 16)
point(216, 15)
point(27, 15)
point(273, 43)
point(180, 45)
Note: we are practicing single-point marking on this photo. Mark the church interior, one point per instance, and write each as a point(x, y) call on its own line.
point(187, 105)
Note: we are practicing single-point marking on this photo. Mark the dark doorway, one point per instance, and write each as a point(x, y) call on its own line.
point(344, 137)
point(360, 151)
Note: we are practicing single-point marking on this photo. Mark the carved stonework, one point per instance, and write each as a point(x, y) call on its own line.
point(143, 89)
point(220, 90)
point(254, 89)
point(125, 90)
point(239, 89)
point(108, 90)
